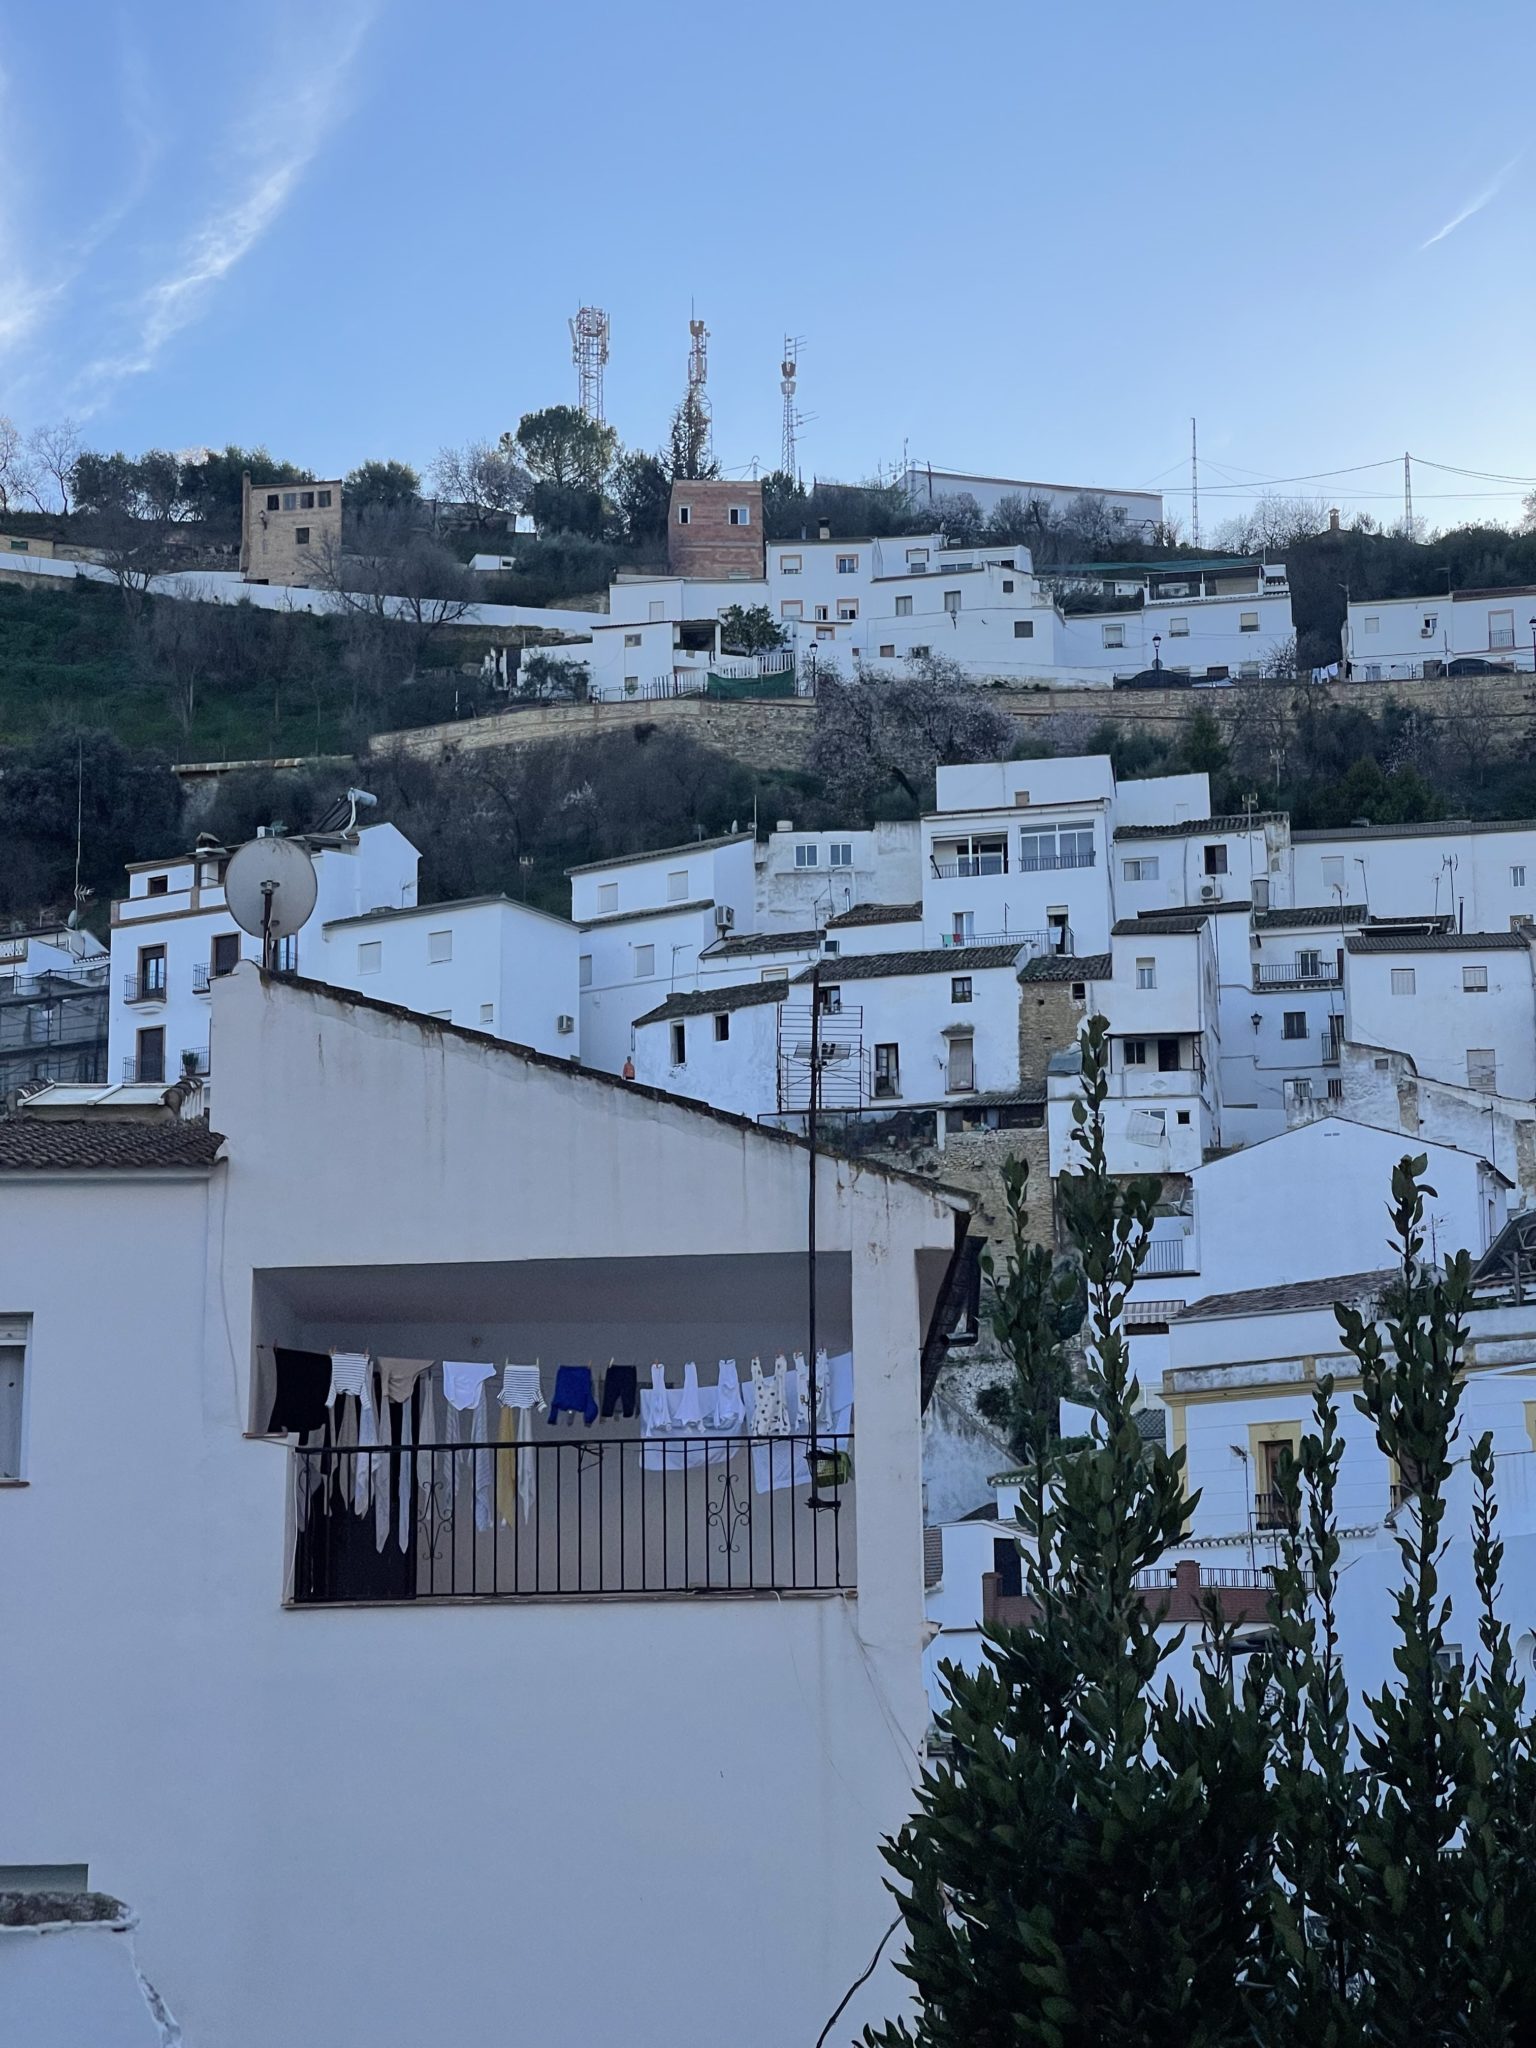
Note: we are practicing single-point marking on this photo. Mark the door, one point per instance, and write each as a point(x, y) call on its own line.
point(225, 957)
point(962, 1066)
point(149, 1064)
point(963, 927)
point(1167, 1055)
point(151, 970)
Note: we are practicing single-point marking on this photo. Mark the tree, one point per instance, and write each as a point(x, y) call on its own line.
point(1036, 1307)
point(128, 807)
point(16, 473)
point(1528, 512)
point(391, 575)
point(881, 734)
point(53, 451)
point(1272, 521)
point(561, 445)
point(134, 506)
point(691, 455)
point(643, 496)
point(749, 629)
point(381, 487)
point(212, 481)
point(484, 477)
point(569, 508)
point(960, 518)
point(1202, 749)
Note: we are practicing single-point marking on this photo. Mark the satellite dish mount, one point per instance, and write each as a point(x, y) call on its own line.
point(270, 889)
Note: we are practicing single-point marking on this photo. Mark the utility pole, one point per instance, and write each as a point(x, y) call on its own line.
point(1194, 484)
point(1407, 496)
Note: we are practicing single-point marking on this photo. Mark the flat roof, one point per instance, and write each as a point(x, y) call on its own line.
point(1424, 828)
point(388, 913)
point(630, 860)
point(1025, 483)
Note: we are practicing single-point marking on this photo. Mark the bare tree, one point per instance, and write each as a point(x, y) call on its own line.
point(885, 728)
point(1272, 521)
point(53, 452)
point(15, 472)
point(484, 477)
point(391, 573)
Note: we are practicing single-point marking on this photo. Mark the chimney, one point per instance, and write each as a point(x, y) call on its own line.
point(823, 531)
point(785, 825)
point(1333, 519)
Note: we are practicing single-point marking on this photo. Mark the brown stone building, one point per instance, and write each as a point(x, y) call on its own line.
point(715, 531)
point(286, 529)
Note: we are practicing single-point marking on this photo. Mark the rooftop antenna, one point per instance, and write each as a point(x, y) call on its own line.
point(793, 343)
point(698, 379)
point(1407, 496)
point(589, 352)
point(270, 890)
point(1194, 483)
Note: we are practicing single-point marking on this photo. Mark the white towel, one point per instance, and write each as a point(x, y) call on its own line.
point(362, 1468)
point(689, 1414)
point(348, 1371)
point(407, 1476)
point(464, 1381)
point(655, 1415)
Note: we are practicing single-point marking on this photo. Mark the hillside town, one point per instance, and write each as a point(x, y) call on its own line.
point(767, 1207)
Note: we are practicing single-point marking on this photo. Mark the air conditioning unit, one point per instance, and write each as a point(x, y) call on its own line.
point(1210, 892)
point(725, 917)
point(565, 1026)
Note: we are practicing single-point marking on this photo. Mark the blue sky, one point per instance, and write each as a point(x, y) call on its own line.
point(1017, 239)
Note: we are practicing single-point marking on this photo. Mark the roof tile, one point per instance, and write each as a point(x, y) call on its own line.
point(46, 1144)
point(876, 913)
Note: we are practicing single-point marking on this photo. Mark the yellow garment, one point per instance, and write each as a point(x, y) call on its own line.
point(506, 1466)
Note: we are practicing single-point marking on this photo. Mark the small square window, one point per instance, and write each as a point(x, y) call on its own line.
point(919, 653)
point(1482, 1072)
point(847, 565)
point(657, 609)
point(274, 503)
point(887, 650)
point(1215, 860)
point(301, 536)
point(903, 607)
point(677, 886)
point(1371, 624)
point(645, 962)
point(1007, 586)
point(792, 608)
point(1146, 974)
point(1248, 622)
point(847, 609)
point(1114, 636)
point(1079, 991)
point(607, 896)
point(807, 856)
point(584, 971)
point(952, 601)
point(1294, 1024)
point(1135, 1052)
point(1181, 1116)
point(370, 956)
point(439, 946)
point(722, 1026)
point(306, 501)
point(632, 639)
point(290, 501)
point(740, 515)
point(840, 853)
point(1403, 981)
point(1474, 981)
point(789, 565)
point(487, 1013)
point(685, 515)
point(1178, 629)
point(679, 1045)
point(158, 885)
point(322, 501)
point(1023, 629)
point(1501, 630)
point(960, 988)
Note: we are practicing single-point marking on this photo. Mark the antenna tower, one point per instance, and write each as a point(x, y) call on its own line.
point(1194, 485)
point(1407, 496)
point(793, 343)
point(589, 352)
point(698, 380)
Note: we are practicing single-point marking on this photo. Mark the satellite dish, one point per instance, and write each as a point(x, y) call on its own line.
point(270, 889)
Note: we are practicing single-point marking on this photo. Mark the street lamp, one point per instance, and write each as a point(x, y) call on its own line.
point(1532, 624)
point(1157, 648)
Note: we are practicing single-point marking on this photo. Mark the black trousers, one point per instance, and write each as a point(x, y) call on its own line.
point(621, 1391)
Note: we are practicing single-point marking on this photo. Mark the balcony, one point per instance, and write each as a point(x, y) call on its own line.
point(145, 1070)
point(1298, 974)
point(969, 866)
point(1057, 940)
point(204, 976)
point(145, 988)
point(1167, 1255)
point(1049, 863)
point(1270, 1511)
point(576, 1518)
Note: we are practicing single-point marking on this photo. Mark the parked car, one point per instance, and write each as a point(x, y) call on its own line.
point(1474, 665)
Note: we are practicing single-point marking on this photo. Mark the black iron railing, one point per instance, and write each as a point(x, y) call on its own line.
point(1271, 1511)
point(145, 988)
point(583, 1516)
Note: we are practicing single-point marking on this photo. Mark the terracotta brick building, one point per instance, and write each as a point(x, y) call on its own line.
point(286, 528)
point(715, 531)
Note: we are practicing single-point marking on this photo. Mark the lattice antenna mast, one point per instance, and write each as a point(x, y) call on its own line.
point(589, 352)
point(1407, 497)
point(698, 394)
point(1194, 485)
point(793, 343)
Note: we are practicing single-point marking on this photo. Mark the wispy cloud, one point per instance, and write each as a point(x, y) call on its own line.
point(282, 133)
point(1489, 193)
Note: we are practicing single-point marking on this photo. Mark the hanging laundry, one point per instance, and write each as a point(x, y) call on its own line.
point(802, 1393)
point(730, 1409)
point(367, 1436)
point(400, 1376)
point(464, 1381)
point(689, 1413)
point(521, 1398)
point(303, 1391)
point(621, 1391)
point(434, 1466)
point(779, 1465)
point(407, 1475)
point(348, 1370)
point(520, 1387)
point(507, 1462)
point(769, 1412)
point(485, 1478)
point(573, 1394)
point(655, 1414)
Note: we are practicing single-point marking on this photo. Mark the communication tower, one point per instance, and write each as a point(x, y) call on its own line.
point(589, 352)
point(793, 421)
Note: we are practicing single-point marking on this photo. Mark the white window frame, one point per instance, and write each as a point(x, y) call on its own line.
point(847, 610)
point(807, 854)
point(739, 515)
point(645, 962)
point(439, 947)
point(1483, 1069)
point(685, 515)
point(607, 896)
point(1146, 972)
point(1113, 635)
point(1178, 628)
point(790, 565)
point(792, 608)
point(370, 956)
point(15, 1336)
point(1474, 981)
point(1143, 868)
point(847, 565)
point(1497, 643)
point(1370, 623)
point(1517, 876)
point(952, 601)
point(677, 1033)
point(1247, 622)
point(1133, 1052)
point(1404, 981)
point(904, 607)
point(840, 854)
point(584, 970)
point(677, 886)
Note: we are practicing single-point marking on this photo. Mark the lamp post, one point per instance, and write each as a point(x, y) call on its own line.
point(1157, 648)
point(1532, 624)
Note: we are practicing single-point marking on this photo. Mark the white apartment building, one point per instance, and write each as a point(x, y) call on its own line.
point(631, 1685)
point(1478, 872)
point(809, 879)
point(1386, 639)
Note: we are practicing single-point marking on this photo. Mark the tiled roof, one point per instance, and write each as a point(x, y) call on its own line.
point(1428, 828)
point(628, 860)
point(942, 960)
point(1064, 967)
point(1180, 926)
point(703, 1002)
point(1295, 1294)
point(765, 942)
point(1436, 942)
point(1306, 914)
point(1189, 828)
point(593, 924)
point(876, 913)
point(1214, 909)
point(88, 1143)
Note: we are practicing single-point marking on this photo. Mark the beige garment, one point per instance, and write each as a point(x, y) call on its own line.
point(400, 1376)
point(506, 1465)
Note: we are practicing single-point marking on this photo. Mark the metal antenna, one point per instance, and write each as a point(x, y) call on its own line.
point(1407, 496)
point(1194, 483)
point(589, 352)
point(793, 343)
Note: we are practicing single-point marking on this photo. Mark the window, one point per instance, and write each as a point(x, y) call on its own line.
point(584, 971)
point(1430, 626)
point(1249, 671)
point(1247, 622)
point(439, 946)
point(847, 565)
point(847, 609)
point(722, 1027)
point(962, 927)
point(830, 1001)
point(273, 501)
point(739, 515)
point(1370, 623)
point(1167, 1055)
point(224, 955)
point(951, 601)
point(290, 501)
point(1114, 636)
point(152, 970)
point(976, 854)
point(1474, 981)
point(1309, 963)
point(1215, 860)
point(960, 988)
point(1501, 629)
point(287, 955)
point(903, 607)
point(487, 1013)
point(149, 1055)
point(158, 885)
point(1181, 1116)
point(1517, 878)
point(677, 886)
point(306, 501)
point(919, 653)
point(1146, 974)
point(632, 639)
point(658, 609)
point(322, 501)
point(1335, 1088)
point(831, 947)
point(14, 1333)
point(1258, 889)
point(789, 565)
point(1007, 586)
point(1023, 629)
point(607, 896)
point(1482, 1069)
point(1143, 869)
point(791, 608)
point(1178, 629)
point(1079, 991)
point(685, 515)
point(840, 854)
point(370, 956)
point(1134, 1052)
point(1403, 980)
point(888, 650)
point(917, 558)
point(773, 974)
point(960, 1078)
point(645, 962)
point(301, 536)
point(807, 855)
point(1294, 1024)
point(1297, 1090)
point(821, 613)
point(679, 1045)
point(887, 1070)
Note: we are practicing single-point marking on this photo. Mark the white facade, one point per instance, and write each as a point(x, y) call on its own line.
point(1394, 637)
point(1480, 873)
point(807, 878)
point(406, 1188)
point(1461, 1005)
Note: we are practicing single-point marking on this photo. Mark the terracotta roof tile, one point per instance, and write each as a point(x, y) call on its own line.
point(45, 1144)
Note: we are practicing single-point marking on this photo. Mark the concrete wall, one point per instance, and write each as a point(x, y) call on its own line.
point(288, 530)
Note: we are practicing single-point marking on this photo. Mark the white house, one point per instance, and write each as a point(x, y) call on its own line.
point(1460, 1004)
point(1138, 512)
point(628, 1686)
point(1478, 872)
point(1484, 630)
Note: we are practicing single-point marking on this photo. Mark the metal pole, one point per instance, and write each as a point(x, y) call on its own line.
point(810, 1206)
